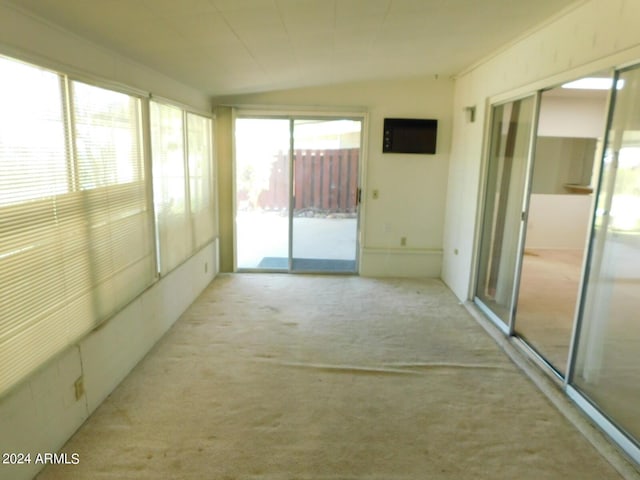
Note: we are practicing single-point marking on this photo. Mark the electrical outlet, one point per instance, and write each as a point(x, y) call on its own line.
point(375, 194)
point(403, 241)
point(206, 267)
point(78, 386)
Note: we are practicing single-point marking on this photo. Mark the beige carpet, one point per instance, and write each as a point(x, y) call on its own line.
point(317, 377)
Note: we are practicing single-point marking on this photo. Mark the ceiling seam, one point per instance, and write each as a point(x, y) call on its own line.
point(235, 33)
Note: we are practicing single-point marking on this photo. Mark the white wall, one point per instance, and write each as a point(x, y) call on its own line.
point(558, 221)
point(411, 188)
point(595, 35)
point(41, 413)
point(572, 117)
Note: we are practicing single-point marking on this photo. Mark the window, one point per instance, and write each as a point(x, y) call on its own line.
point(76, 229)
point(76, 236)
point(33, 166)
point(182, 182)
point(170, 186)
point(200, 178)
point(107, 136)
point(114, 232)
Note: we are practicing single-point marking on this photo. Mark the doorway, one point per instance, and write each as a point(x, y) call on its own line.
point(544, 154)
point(568, 145)
point(297, 187)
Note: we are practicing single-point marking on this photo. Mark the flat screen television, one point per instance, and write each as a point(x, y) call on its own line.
point(409, 135)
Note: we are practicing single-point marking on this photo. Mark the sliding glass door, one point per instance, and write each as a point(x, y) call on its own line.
point(262, 193)
point(606, 360)
point(511, 134)
point(297, 194)
point(569, 136)
point(325, 222)
point(556, 267)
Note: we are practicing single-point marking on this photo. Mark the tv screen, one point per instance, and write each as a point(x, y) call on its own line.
point(409, 135)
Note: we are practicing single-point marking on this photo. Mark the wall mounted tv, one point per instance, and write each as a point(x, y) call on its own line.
point(409, 135)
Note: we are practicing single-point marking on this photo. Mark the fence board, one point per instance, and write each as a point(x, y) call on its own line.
point(325, 181)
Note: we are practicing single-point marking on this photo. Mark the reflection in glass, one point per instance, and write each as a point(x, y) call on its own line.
point(607, 369)
point(511, 129)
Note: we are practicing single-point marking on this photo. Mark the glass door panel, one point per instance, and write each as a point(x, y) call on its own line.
point(325, 219)
point(511, 133)
point(607, 369)
point(558, 219)
point(262, 193)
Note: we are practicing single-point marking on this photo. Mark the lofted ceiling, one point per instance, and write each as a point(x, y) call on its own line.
point(224, 47)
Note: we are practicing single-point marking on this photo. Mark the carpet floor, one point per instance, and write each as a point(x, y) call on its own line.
point(277, 377)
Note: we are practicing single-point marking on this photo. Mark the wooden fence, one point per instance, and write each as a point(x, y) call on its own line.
point(325, 182)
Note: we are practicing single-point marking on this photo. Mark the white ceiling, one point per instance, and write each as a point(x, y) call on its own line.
point(225, 47)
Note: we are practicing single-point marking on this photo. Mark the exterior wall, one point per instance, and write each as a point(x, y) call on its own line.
point(593, 36)
point(411, 188)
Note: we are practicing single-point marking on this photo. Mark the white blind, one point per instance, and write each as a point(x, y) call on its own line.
point(171, 201)
point(115, 236)
point(32, 134)
point(75, 233)
point(201, 191)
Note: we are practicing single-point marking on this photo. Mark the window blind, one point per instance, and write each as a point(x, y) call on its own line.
point(75, 227)
point(112, 243)
point(32, 174)
point(200, 162)
point(171, 200)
